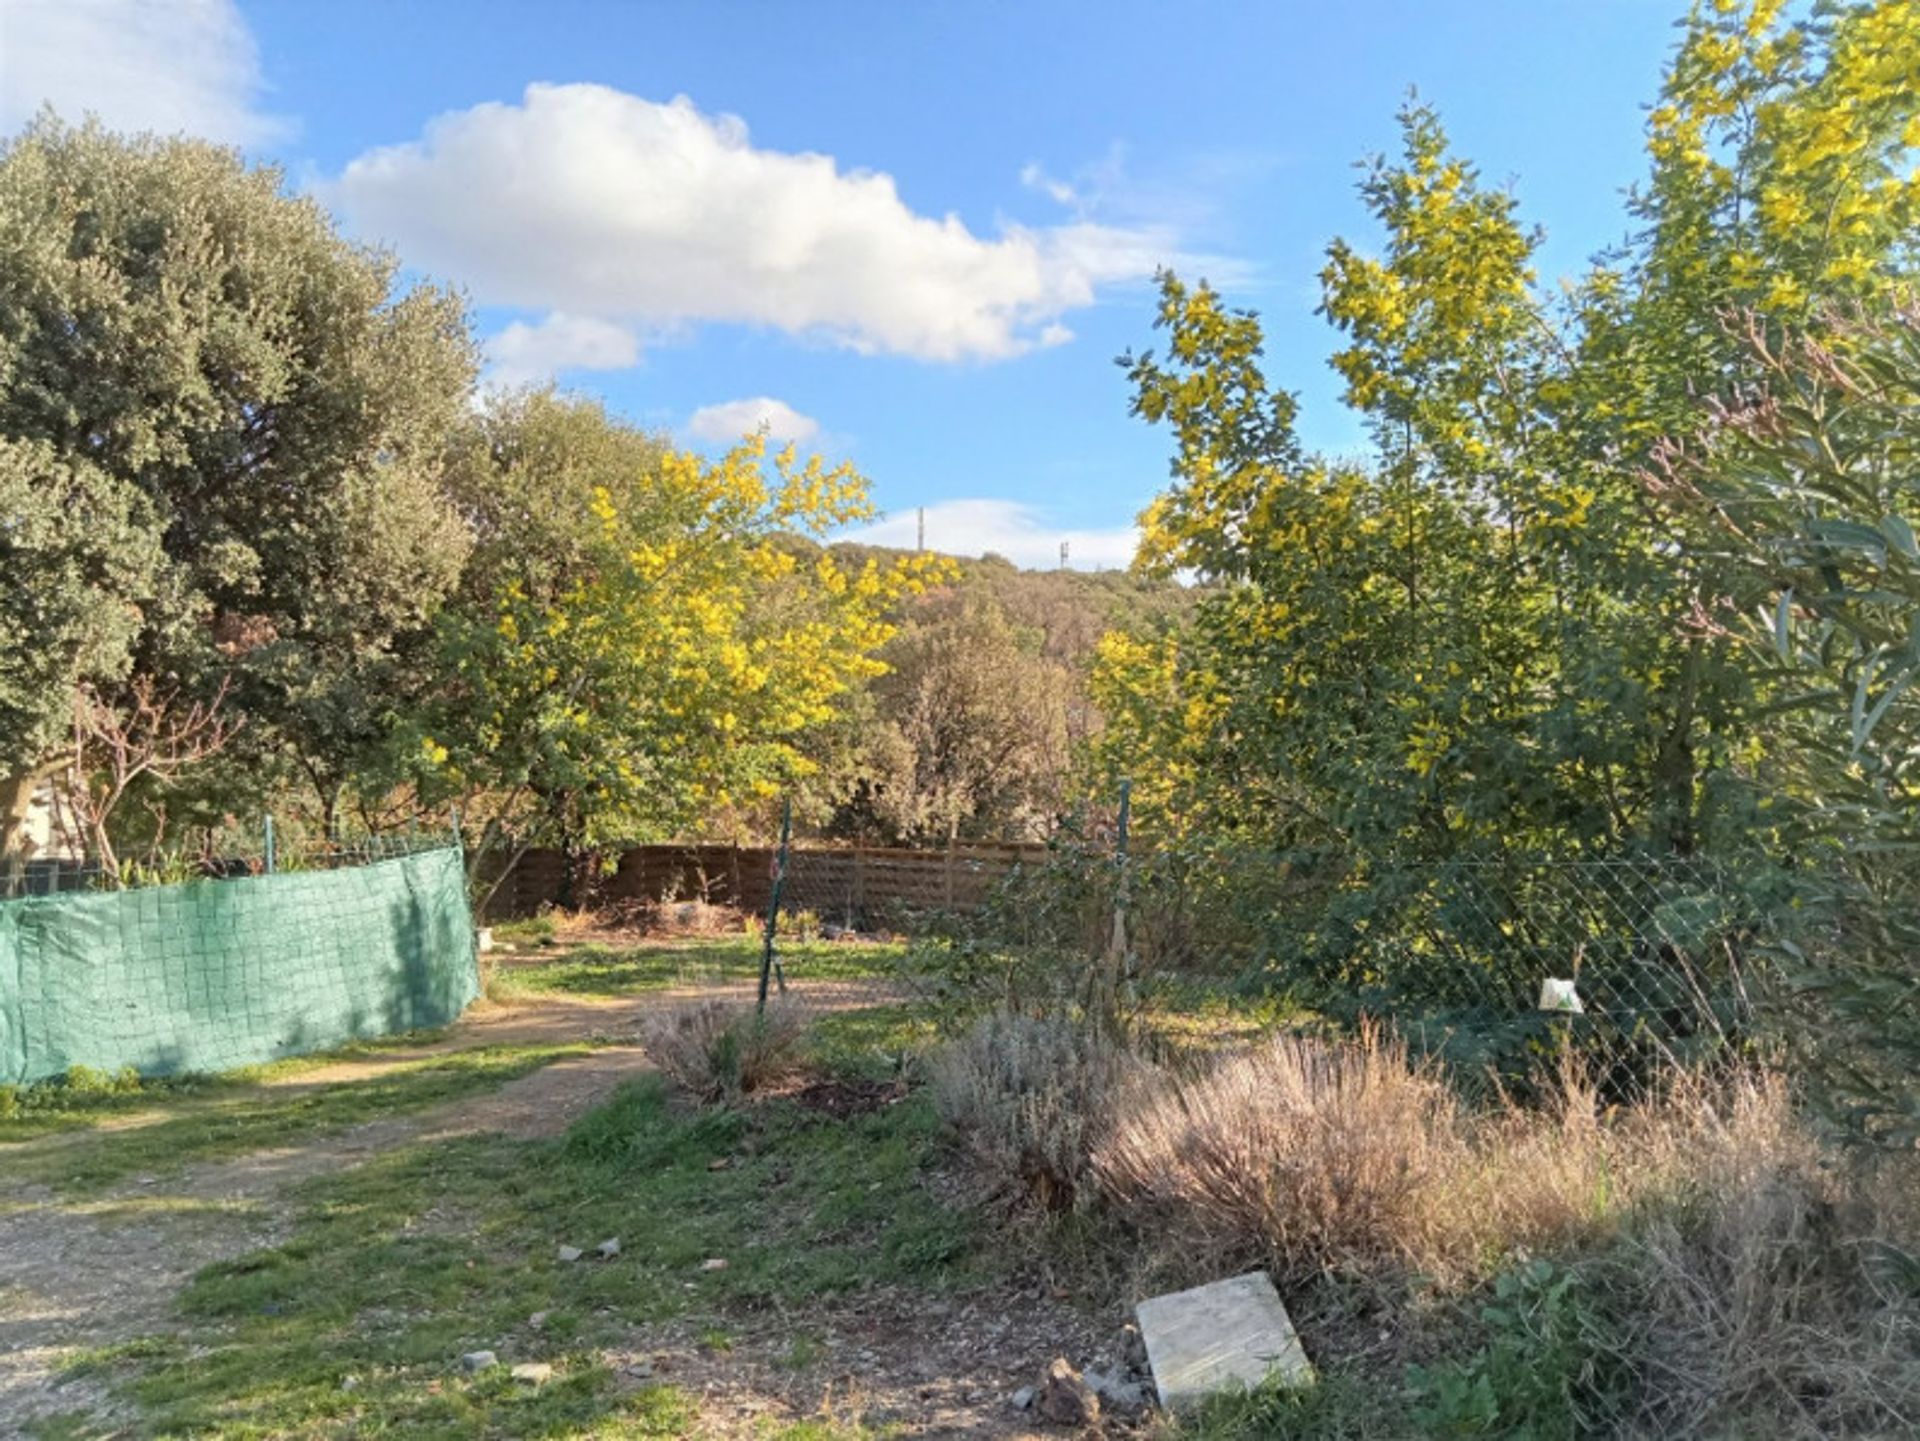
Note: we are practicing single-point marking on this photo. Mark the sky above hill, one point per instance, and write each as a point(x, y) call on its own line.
point(911, 235)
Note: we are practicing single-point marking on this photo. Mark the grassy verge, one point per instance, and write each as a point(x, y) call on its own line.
point(400, 1266)
point(596, 969)
point(85, 1097)
point(214, 1118)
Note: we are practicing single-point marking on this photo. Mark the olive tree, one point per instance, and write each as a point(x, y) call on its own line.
point(221, 434)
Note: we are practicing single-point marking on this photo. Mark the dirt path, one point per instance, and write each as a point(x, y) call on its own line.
point(77, 1275)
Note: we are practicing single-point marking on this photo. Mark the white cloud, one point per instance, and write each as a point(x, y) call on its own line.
point(524, 353)
point(1034, 177)
point(162, 65)
point(1010, 528)
point(591, 201)
point(727, 422)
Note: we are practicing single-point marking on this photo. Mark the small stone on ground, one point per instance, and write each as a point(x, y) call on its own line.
point(1115, 1391)
point(533, 1373)
point(1065, 1399)
point(479, 1360)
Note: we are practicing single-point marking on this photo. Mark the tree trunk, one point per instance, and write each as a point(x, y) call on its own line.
point(1675, 771)
point(16, 800)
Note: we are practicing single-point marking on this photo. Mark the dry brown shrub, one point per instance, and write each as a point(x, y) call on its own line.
point(1032, 1096)
point(1745, 1282)
point(1531, 1177)
point(720, 1049)
point(689, 918)
point(1321, 1153)
point(1762, 1287)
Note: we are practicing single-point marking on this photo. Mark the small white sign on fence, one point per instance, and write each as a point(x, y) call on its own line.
point(1561, 996)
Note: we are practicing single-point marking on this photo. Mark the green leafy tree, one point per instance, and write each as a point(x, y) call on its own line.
point(638, 641)
point(255, 420)
point(76, 546)
point(972, 740)
point(1485, 635)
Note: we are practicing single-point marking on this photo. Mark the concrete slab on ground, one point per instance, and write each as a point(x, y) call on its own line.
point(1226, 1336)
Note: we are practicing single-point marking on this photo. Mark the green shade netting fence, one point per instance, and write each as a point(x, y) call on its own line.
point(217, 974)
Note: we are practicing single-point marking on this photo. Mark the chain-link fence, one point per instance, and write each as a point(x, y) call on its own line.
point(1494, 962)
point(275, 853)
point(1636, 960)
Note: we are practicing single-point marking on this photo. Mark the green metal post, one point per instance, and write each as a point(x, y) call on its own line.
point(267, 829)
point(1120, 960)
point(773, 904)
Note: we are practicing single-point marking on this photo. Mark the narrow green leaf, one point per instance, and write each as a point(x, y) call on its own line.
point(1892, 694)
point(1860, 702)
point(1896, 529)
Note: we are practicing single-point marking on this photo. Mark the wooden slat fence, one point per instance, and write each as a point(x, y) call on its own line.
point(854, 886)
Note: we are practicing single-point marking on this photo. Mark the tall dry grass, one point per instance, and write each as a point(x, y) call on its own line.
point(1332, 1154)
point(1749, 1284)
point(1319, 1154)
point(1757, 1276)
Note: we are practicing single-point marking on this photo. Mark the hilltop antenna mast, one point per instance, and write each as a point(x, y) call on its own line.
point(1063, 555)
point(921, 543)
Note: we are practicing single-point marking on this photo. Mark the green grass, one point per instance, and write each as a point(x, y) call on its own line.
point(218, 1117)
point(399, 1266)
point(873, 1043)
point(600, 970)
point(85, 1097)
point(1334, 1408)
point(531, 930)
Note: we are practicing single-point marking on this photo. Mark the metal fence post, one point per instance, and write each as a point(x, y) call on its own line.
point(767, 961)
point(1119, 953)
point(857, 897)
point(266, 829)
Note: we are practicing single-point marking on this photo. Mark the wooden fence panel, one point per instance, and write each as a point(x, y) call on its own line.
point(843, 885)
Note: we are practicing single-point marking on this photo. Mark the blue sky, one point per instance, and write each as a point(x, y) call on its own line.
point(923, 231)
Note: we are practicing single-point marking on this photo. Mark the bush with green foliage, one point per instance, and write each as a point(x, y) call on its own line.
point(1813, 487)
point(1544, 1370)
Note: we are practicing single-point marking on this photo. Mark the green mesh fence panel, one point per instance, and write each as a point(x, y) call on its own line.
point(218, 974)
